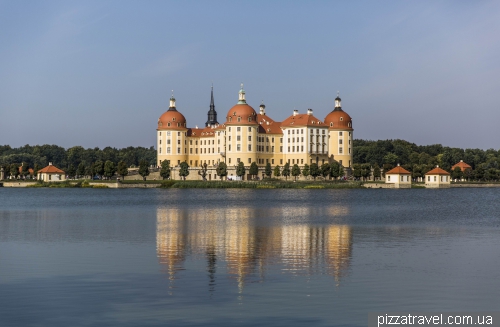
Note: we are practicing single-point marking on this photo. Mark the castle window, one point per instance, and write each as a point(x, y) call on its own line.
point(160, 141)
point(281, 140)
point(341, 118)
point(250, 129)
point(160, 149)
point(238, 138)
point(323, 132)
point(281, 161)
point(230, 129)
point(340, 141)
point(173, 119)
point(238, 129)
point(168, 124)
point(289, 132)
point(340, 133)
point(230, 119)
point(178, 150)
point(249, 160)
point(239, 118)
point(178, 141)
point(168, 133)
point(249, 147)
point(249, 138)
point(178, 133)
point(238, 147)
point(229, 149)
point(234, 113)
point(340, 150)
point(249, 119)
point(331, 124)
point(229, 138)
point(229, 160)
point(272, 161)
point(293, 131)
point(238, 160)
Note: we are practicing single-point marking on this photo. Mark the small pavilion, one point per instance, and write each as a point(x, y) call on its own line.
point(437, 178)
point(51, 174)
point(400, 177)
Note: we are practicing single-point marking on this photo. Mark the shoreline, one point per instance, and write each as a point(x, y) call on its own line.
point(225, 184)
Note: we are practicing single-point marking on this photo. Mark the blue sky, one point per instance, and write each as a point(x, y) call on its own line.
point(100, 73)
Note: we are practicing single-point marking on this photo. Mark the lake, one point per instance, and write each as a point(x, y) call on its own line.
point(226, 257)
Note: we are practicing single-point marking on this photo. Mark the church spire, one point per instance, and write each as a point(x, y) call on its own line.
point(212, 114)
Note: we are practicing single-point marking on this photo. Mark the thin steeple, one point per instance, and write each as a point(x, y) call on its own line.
point(212, 114)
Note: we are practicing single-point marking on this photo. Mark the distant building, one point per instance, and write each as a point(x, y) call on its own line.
point(400, 177)
point(247, 136)
point(437, 178)
point(462, 165)
point(51, 174)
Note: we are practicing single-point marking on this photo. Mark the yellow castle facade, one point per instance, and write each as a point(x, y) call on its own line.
point(247, 136)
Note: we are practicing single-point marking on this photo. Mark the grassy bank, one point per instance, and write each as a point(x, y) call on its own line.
point(65, 184)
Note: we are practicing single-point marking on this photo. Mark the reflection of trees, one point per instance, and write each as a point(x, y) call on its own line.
point(232, 237)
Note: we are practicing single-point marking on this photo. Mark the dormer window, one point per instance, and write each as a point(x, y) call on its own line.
point(234, 113)
point(341, 118)
point(239, 118)
point(249, 119)
point(331, 124)
point(230, 118)
point(168, 124)
point(173, 119)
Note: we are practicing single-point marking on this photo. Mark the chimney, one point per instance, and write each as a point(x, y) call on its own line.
point(295, 112)
point(50, 163)
point(262, 109)
point(309, 111)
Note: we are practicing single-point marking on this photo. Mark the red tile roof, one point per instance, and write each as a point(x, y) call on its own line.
point(437, 171)
point(268, 126)
point(302, 120)
point(51, 169)
point(462, 165)
point(398, 170)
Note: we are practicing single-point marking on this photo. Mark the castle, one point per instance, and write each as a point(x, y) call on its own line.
point(247, 136)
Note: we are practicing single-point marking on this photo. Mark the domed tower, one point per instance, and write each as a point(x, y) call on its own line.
point(171, 136)
point(241, 133)
point(340, 134)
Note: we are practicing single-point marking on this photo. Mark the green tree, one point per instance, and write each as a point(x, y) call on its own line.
point(184, 170)
point(334, 170)
point(268, 171)
point(254, 169)
point(221, 170)
point(286, 171)
point(391, 158)
point(305, 171)
point(165, 169)
point(14, 170)
point(35, 170)
point(80, 171)
point(71, 171)
point(109, 169)
point(240, 170)
point(456, 173)
point(376, 172)
point(356, 171)
point(203, 171)
point(122, 169)
point(366, 171)
point(341, 171)
point(25, 170)
point(144, 169)
point(295, 171)
point(314, 170)
point(277, 171)
point(99, 168)
point(325, 170)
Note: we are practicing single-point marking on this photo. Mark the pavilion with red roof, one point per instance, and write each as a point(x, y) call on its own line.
point(51, 174)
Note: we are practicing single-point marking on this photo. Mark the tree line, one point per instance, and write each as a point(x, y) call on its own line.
point(383, 155)
point(75, 161)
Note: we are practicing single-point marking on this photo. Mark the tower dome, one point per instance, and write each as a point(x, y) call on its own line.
point(241, 113)
point(172, 119)
point(338, 118)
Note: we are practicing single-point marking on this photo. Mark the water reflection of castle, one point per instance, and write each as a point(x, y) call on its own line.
point(230, 240)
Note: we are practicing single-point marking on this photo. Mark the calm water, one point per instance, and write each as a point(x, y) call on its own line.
point(83, 257)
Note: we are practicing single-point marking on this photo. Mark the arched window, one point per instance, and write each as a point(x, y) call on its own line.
point(341, 118)
point(331, 124)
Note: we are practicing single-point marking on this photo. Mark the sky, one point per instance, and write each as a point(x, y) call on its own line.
point(100, 73)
